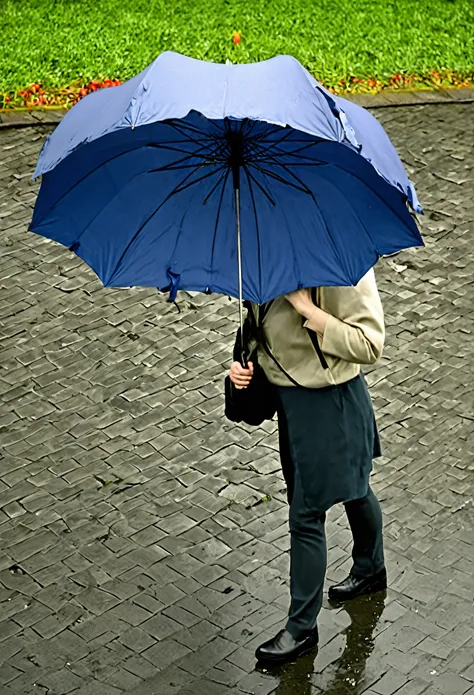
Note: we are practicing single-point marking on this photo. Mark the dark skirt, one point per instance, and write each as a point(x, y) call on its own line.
point(328, 439)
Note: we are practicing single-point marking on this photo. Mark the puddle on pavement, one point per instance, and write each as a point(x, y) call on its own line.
point(345, 673)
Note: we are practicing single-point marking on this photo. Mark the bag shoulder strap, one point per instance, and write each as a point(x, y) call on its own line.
point(262, 312)
point(314, 337)
point(269, 353)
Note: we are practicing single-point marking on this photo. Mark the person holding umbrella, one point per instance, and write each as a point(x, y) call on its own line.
point(314, 346)
point(254, 182)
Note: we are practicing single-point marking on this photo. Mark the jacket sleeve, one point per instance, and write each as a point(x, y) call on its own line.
point(355, 329)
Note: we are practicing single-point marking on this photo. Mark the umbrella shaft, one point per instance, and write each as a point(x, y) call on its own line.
point(239, 258)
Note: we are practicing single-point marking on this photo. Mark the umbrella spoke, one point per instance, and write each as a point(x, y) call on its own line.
point(296, 153)
point(296, 178)
point(274, 143)
point(259, 151)
point(260, 186)
point(250, 126)
point(181, 126)
point(199, 136)
point(302, 188)
point(287, 169)
point(179, 164)
point(273, 130)
point(89, 173)
point(213, 189)
point(225, 178)
point(179, 188)
point(197, 153)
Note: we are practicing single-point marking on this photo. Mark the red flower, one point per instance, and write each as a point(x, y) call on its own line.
point(236, 38)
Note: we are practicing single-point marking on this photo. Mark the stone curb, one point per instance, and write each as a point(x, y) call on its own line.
point(25, 119)
point(413, 97)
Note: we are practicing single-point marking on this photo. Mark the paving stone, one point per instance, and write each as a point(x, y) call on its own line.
point(98, 688)
point(165, 653)
point(130, 613)
point(62, 682)
point(160, 627)
point(392, 681)
point(451, 684)
point(208, 656)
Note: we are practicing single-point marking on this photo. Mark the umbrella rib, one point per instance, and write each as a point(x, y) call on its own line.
point(310, 192)
point(157, 146)
point(331, 239)
point(286, 168)
point(181, 188)
point(213, 189)
point(150, 217)
point(181, 126)
point(275, 143)
point(250, 125)
point(360, 219)
point(270, 159)
point(257, 182)
point(258, 151)
point(219, 207)
point(295, 153)
point(277, 177)
point(178, 236)
point(365, 183)
point(380, 197)
point(178, 164)
point(271, 130)
point(258, 138)
point(141, 173)
point(99, 166)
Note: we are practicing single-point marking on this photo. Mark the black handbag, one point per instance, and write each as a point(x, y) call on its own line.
point(258, 402)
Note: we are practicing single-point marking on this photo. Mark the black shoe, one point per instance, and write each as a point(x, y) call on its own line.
point(358, 586)
point(284, 647)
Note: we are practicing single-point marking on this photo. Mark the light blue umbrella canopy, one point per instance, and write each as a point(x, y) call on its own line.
point(248, 180)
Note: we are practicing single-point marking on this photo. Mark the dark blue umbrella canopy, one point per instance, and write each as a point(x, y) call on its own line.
point(205, 177)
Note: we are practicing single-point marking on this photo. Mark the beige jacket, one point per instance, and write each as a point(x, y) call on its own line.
point(354, 336)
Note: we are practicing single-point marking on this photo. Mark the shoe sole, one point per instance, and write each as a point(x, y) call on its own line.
point(282, 660)
point(371, 589)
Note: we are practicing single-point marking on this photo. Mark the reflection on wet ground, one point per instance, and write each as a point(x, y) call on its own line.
point(347, 673)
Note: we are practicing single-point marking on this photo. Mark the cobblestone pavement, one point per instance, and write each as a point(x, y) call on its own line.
point(143, 539)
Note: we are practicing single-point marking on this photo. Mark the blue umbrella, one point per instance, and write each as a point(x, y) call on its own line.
point(247, 180)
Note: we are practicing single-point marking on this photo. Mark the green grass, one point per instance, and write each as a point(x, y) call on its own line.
point(59, 41)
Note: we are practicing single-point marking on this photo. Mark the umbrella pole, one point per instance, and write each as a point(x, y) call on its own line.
point(239, 259)
point(236, 159)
